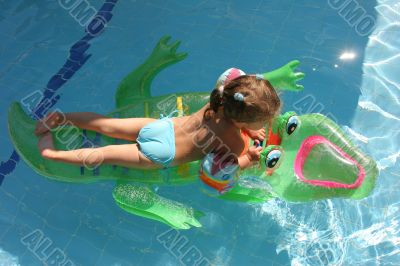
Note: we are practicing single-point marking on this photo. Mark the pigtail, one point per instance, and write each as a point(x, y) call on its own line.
point(215, 103)
point(215, 99)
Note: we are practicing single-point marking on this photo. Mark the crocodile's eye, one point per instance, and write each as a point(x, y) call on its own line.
point(272, 159)
point(292, 124)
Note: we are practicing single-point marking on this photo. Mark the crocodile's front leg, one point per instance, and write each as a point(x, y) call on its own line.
point(142, 201)
point(137, 84)
point(247, 194)
point(285, 78)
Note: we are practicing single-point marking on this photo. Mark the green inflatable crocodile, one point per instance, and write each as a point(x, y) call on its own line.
point(309, 157)
point(133, 193)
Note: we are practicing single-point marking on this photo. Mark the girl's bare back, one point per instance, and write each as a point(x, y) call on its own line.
point(195, 137)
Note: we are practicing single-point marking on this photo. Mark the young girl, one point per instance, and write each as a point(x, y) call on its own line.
point(243, 103)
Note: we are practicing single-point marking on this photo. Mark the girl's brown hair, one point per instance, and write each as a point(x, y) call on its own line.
point(260, 102)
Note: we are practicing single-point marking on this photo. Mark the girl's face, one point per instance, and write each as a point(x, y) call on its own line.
point(252, 126)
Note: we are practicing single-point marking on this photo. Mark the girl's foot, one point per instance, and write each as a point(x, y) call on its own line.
point(46, 146)
point(51, 121)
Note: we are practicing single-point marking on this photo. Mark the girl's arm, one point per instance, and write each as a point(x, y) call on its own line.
point(255, 134)
point(244, 161)
point(250, 157)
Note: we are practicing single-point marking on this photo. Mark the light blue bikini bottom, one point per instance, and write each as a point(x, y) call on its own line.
point(157, 141)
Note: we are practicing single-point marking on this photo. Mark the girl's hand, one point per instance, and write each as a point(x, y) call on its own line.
point(250, 157)
point(256, 134)
point(254, 153)
point(51, 121)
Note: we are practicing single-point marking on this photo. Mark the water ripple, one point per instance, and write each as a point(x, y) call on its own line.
point(364, 232)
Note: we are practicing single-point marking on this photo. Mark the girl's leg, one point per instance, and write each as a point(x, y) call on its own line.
point(122, 128)
point(127, 155)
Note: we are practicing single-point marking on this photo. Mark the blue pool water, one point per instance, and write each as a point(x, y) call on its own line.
point(82, 223)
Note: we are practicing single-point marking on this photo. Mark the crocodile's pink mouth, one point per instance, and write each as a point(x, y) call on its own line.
point(319, 162)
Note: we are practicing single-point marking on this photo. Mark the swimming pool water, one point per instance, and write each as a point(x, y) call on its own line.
point(82, 223)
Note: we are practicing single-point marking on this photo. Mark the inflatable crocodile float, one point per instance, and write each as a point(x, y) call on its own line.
point(293, 177)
